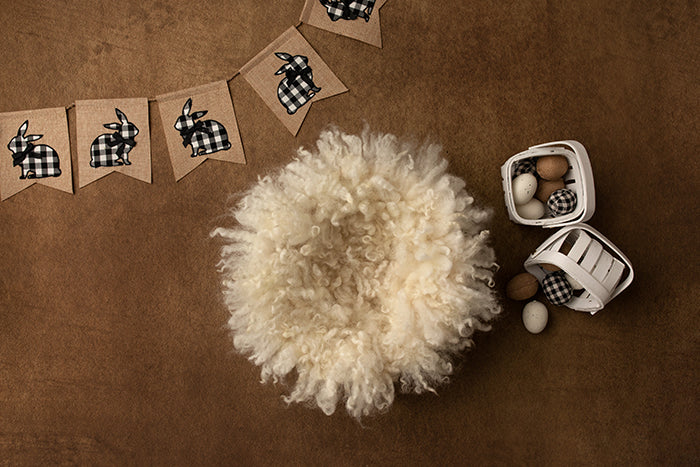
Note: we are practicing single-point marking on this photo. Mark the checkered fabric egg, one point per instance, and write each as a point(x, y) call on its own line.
point(562, 201)
point(556, 288)
point(523, 166)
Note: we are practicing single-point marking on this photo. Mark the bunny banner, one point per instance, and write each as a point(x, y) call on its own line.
point(113, 135)
point(46, 163)
point(358, 19)
point(191, 138)
point(289, 75)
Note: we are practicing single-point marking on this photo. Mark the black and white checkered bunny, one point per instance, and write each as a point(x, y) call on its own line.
point(110, 149)
point(297, 87)
point(348, 9)
point(36, 161)
point(204, 136)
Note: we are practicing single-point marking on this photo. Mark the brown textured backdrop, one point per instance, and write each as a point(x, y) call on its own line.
point(112, 345)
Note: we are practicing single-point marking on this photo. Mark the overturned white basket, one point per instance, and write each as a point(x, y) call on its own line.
point(579, 179)
point(593, 261)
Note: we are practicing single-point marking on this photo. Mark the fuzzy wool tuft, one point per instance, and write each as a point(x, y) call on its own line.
point(357, 266)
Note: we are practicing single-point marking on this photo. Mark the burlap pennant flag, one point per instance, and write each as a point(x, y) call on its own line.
point(289, 76)
point(193, 138)
point(113, 136)
point(37, 150)
point(357, 19)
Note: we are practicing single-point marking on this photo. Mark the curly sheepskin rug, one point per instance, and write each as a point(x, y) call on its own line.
point(357, 267)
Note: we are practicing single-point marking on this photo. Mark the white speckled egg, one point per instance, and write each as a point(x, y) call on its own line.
point(535, 316)
point(524, 187)
point(533, 209)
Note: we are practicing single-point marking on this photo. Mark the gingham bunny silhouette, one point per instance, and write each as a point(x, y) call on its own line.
point(297, 87)
point(110, 149)
point(36, 161)
point(348, 9)
point(205, 136)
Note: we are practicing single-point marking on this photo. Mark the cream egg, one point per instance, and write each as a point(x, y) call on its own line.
point(576, 285)
point(535, 316)
point(533, 209)
point(524, 187)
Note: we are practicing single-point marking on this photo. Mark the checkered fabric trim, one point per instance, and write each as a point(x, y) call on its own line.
point(214, 138)
point(525, 166)
point(108, 148)
point(297, 88)
point(102, 153)
point(349, 10)
point(294, 94)
point(41, 162)
point(298, 63)
point(562, 201)
point(556, 288)
point(16, 145)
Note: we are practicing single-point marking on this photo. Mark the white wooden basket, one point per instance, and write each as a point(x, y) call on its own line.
point(593, 261)
point(579, 179)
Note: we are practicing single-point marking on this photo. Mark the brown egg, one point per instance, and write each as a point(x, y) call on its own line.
point(546, 187)
point(522, 286)
point(550, 267)
point(552, 167)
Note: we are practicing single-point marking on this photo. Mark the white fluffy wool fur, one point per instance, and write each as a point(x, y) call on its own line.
point(357, 266)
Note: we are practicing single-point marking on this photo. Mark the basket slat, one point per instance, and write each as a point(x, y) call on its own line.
point(592, 255)
point(580, 246)
point(601, 268)
point(614, 275)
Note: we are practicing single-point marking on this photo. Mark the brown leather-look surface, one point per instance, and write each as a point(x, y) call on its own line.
point(113, 347)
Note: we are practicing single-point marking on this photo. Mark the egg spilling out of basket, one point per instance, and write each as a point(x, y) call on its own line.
point(539, 189)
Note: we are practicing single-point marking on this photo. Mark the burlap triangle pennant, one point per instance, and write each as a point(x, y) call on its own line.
point(37, 150)
point(357, 19)
point(191, 137)
point(289, 76)
point(113, 136)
